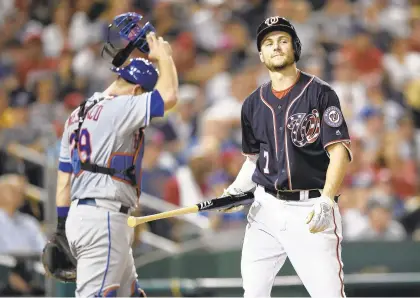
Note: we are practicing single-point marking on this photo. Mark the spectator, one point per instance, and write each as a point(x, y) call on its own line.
point(364, 56)
point(371, 133)
point(381, 225)
point(414, 38)
point(350, 89)
point(353, 201)
point(65, 77)
point(84, 25)
point(391, 108)
point(411, 218)
point(412, 97)
point(46, 110)
point(188, 185)
point(20, 233)
point(306, 28)
point(401, 65)
point(34, 62)
point(400, 156)
point(5, 117)
point(21, 131)
point(180, 128)
point(231, 161)
point(55, 36)
point(154, 175)
point(339, 13)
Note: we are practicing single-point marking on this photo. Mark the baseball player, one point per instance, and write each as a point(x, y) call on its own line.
point(100, 168)
point(297, 146)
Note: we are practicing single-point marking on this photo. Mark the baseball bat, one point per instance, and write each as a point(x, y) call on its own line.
point(226, 202)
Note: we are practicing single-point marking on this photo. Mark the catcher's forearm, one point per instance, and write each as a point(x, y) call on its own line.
point(167, 84)
point(62, 198)
point(243, 181)
point(63, 189)
point(339, 160)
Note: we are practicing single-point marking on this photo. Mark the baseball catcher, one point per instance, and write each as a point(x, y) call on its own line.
point(99, 169)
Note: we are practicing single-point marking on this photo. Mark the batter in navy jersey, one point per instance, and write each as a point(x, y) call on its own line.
point(298, 147)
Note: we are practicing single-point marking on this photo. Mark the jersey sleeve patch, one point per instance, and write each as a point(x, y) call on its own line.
point(333, 116)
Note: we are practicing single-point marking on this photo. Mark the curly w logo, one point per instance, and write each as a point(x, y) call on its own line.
point(305, 128)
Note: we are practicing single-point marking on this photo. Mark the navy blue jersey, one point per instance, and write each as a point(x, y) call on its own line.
point(291, 133)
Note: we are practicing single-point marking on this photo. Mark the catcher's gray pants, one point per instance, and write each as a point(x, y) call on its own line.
point(100, 240)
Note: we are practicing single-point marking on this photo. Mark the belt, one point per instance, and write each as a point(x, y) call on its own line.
point(295, 195)
point(92, 202)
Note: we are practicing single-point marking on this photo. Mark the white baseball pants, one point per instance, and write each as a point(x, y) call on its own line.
point(276, 230)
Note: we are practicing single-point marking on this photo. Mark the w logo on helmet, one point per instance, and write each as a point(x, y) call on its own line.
point(271, 21)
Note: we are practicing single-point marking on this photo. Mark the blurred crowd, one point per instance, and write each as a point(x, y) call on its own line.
point(368, 50)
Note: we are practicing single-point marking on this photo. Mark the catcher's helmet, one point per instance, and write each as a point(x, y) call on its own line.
point(139, 72)
point(279, 24)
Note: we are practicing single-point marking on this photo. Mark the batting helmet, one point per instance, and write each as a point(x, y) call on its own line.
point(139, 72)
point(279, 24)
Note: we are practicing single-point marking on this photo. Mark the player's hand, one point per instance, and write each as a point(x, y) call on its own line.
point(159, 48)
point(231, 192)
point(319, 219)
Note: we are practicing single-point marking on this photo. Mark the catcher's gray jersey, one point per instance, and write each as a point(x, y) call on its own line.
point(110, 136)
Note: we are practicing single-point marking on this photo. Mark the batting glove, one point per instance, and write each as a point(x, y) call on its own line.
point(319, 218)
point(231, 192)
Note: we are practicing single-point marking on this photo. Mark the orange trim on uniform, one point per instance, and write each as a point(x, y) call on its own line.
point(345, 142)
point(107, 290)
point(136, 155)
point(274, 124)
point(282, 93)
point(109, 165)
point(338, 257)
point(274, 118)
point(337, 141)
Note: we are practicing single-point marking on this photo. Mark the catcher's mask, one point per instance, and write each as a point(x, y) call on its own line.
point(58, 261)
point(125, 34)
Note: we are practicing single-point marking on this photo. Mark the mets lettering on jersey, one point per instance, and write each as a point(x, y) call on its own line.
point(290, 134)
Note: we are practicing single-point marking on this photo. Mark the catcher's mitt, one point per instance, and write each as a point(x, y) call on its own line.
point(57, 259)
